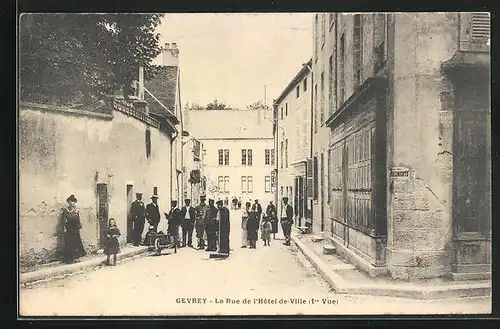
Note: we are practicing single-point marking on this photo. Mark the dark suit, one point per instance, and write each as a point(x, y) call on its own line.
point(187, 225)
point(211, 228)
point(174, 220)
point(286, 223)
point(153, 214)
point(138, 215)
point(224, 228)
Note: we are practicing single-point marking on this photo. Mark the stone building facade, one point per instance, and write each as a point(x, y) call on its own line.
point(408, 153)
point(292, 133)
point(103, 157)
point(237, 152)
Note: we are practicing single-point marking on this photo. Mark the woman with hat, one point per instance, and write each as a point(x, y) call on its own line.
point(73, 246)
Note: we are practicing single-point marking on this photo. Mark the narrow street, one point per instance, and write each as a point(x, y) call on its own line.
point(189, 283)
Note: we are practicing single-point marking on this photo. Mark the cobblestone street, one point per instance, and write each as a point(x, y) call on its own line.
point(189, 283)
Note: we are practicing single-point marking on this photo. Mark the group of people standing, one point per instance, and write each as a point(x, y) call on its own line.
point(251, 221)
point(210, 223)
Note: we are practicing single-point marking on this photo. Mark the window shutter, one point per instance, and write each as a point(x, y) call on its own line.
point(475, 32)
point(309, 173)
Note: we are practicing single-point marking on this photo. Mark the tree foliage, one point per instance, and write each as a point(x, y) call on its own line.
point(212, 106)
point(259, 105)
point(68, 57)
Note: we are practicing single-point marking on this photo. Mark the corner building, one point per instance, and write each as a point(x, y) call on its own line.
point(409, 171)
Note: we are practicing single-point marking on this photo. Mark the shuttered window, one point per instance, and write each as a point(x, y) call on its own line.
point(475, 32)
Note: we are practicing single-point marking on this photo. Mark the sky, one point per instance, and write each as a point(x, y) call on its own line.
point(237, 58)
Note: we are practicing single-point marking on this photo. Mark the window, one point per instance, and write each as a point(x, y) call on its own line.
point(357, 50)
point(286, 109)
point(155, 190)
point(341, 68)
point(272, 157)
point(281, 155)
point(249, 157)
point(226, 157)
point(220, 183)
point(243, 184)
point(267, 157)
point(315, 178)
point(226, 184)
point(246, 184)
point(243, 157)
point(315, 108)
point(305, 84)
point(475, 32)
point(297, 91)
point(148, 142)
point(322, 105)
point(282, 113)
point(286, 153)
point(221, 157)
point(267, 184)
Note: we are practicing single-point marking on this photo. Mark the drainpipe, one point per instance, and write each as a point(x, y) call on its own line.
point(312, 134)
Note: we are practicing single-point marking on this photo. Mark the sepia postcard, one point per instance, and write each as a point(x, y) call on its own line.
point(222, 164)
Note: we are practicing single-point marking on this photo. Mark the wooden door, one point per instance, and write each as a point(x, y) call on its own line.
point(102, 212)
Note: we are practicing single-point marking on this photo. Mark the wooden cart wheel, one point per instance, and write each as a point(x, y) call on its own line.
point(157, 246)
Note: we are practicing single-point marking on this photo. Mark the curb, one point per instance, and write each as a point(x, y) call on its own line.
point(68, 269)
point(404, 291)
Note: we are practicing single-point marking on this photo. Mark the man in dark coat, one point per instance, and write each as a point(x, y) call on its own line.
point(174, 220)
point(224, 227)
point(138, 215)
point(271, 213)
point(187, 218)
point(258, 209)
point(211, 226)
point(153, 212)
point(200, 213)
point(286, 220)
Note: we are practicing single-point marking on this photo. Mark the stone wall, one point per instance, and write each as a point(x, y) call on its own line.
point(420, 157)
point(63, 152)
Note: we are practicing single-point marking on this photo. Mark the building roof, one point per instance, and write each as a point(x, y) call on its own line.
point(228, 124)
point(163, 86)
point(302, 73)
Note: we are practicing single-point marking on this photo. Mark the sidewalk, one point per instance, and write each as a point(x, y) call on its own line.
point(345, 278)
point(58, 269)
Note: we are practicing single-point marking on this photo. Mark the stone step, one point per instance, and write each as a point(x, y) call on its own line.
point(317, 238)
point(470, 276)
point(329, 249)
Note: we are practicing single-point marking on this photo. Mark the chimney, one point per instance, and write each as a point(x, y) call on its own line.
point(170, 55)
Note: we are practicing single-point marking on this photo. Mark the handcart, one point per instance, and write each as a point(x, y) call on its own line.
point(159, 241)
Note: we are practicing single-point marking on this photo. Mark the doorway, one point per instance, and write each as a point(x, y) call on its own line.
point(102, 212)
point(130, 225)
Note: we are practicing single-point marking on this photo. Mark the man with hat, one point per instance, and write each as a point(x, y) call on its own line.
point(138, 215)
point(153, 212)
point(211, 226)
point(201, 211)
point(187, 217)
point(174, 220)
point(286, 220)
point(224, 227)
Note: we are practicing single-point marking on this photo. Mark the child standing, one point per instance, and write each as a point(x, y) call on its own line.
point(112, 243)
point(266, 231)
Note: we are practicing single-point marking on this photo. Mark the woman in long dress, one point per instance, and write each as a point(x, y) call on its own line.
point(244, 220)
point(73, 246)
point(253, 227)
